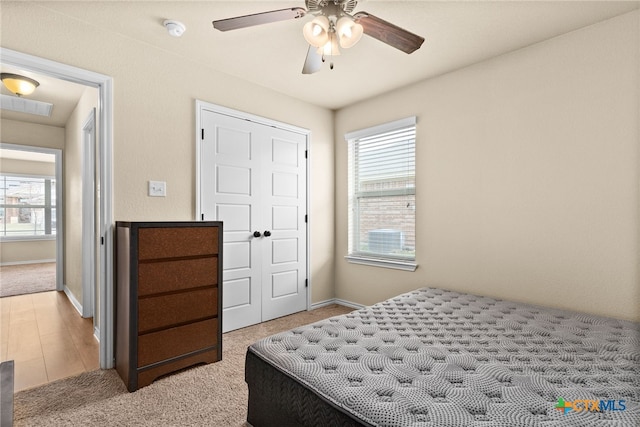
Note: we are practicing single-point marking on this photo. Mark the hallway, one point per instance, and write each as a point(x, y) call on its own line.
point(46, 337)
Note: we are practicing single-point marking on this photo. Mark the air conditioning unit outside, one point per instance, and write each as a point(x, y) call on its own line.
point(386, 241)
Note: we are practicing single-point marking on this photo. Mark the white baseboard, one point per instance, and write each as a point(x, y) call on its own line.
point(336, 301)
point(346, 303)
point(76, 304)
point(37, 261)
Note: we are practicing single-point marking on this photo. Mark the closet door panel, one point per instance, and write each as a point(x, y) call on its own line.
point(253, 178)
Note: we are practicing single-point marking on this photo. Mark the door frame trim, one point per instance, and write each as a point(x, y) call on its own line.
point(104, 84)
point(88, 214)
point(202, 105)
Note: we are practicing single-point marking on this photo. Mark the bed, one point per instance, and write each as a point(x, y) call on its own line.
point(435, 358)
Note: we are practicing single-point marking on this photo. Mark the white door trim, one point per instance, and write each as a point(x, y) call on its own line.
point(88, 214)
point(104, 84)
point(202, 105)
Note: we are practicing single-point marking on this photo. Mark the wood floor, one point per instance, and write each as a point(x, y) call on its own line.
point(46, 337)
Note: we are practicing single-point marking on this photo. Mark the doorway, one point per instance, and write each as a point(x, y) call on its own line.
point(42, 330)
point(31, 228)
point(103, 236)
point(31, 199)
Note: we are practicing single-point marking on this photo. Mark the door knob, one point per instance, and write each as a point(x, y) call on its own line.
point(256, 234)
point(267, 233)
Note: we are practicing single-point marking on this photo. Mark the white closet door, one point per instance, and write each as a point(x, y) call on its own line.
point(284, 262)
point(253, 178)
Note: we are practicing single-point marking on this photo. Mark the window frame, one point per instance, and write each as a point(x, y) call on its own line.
point(357, 257)
point(49, 204)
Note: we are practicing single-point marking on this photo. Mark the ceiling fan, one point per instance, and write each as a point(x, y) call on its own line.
point(334, 26)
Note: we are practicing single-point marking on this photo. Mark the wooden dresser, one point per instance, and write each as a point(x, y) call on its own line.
point(168, 298)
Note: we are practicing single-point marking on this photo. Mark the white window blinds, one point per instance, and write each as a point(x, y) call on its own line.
point(382, 207)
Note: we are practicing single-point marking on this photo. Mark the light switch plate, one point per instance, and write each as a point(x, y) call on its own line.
point(157, 188)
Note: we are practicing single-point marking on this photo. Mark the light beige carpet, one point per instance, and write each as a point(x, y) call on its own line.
point(209, 395)
point(27, 278)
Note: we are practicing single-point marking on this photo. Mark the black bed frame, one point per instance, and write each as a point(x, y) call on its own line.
point(276, 400)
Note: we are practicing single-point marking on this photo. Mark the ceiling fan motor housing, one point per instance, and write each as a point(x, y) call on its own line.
point(331, 7)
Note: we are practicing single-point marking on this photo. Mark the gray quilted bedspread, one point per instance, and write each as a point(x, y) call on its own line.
point(433, 358)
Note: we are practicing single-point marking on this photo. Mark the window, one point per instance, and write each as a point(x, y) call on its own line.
point(27, 206)
point(382, 195)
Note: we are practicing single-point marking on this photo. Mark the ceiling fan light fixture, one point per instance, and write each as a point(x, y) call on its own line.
point(330, 48)
point(316, 32)
point(19, 85)
point(334, 25)
point(348, 31)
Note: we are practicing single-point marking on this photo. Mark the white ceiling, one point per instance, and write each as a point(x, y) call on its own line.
point(457, 33)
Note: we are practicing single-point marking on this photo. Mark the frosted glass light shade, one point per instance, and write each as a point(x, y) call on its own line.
point(19, 85)
point(316, 32)
point(330, 48)
point(348, 31)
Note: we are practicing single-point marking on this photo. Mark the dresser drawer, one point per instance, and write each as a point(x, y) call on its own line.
point(165, 276)
point(158, 346)
point(170, 242)
point(167, 310)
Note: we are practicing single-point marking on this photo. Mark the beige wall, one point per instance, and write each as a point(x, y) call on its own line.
point(527, 176)
point(27, 252)
point(154, 120)
point(21, 133)
point(73, 158)
point(27, 167)
point(528, 163)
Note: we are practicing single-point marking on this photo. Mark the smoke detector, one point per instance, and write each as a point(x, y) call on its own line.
point(174, 28)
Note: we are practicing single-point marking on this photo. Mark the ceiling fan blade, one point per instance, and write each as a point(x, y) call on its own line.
point(388, 33)
point(259, 18)
point(313, 62)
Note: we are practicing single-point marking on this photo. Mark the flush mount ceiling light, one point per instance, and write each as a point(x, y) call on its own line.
point(19, 85)
point(175, 28)
point(334, 25)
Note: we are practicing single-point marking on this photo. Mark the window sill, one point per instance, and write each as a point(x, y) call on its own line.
point(16, 239)
point(384, 263)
